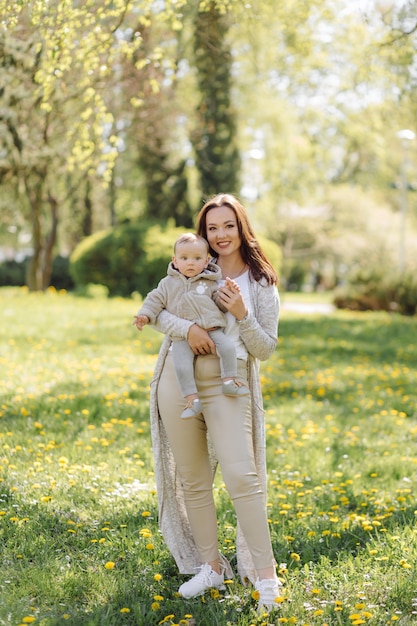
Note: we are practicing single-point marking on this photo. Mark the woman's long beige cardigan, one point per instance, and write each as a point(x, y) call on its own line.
point(259, 333)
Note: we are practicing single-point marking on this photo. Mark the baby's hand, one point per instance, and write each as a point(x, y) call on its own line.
point(232, 285)
point(140, 321)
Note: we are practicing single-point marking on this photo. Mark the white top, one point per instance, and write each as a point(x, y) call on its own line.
point(232, 327)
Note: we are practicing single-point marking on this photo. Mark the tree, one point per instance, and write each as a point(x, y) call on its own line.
point(154, 132)
point(54, 122)
point(214, 137)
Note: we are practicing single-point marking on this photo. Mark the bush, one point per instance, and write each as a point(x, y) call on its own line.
point(128, 258)
point(376, 290)
point(60, 276)
point(133, 257)
point(272, 251)
point(12, 273)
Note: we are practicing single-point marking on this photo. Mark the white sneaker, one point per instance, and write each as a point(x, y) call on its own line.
point(269, 591)
point(201, 582)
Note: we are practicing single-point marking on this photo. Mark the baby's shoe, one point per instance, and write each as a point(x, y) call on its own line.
point(234, 388)
point(193, 408)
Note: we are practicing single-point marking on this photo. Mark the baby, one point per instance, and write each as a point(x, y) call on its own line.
point(190, 291)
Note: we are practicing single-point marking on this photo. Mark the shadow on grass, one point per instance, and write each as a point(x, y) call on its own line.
point(380, 337)
point(339, 545)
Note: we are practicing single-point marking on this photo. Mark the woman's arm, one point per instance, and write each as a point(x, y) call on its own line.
point(260, 333)
point(170, 324)
point(199, 340)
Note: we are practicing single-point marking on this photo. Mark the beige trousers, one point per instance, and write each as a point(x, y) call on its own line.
point(228, 420)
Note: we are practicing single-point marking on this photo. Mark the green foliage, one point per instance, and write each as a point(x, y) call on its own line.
point(379, 289)
point(214, 137)
point(113, 93)
point(12, 273)
point(126, 259)
point(134, 257)
point(79, 539)
point(272, 251)
point(60, 276)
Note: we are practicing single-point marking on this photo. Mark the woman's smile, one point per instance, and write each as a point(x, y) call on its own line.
point(222, 230)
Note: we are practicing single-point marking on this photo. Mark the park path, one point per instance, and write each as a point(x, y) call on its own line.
point(321, 308)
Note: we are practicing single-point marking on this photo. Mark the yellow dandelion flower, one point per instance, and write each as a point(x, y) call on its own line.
point(158, 598)
point(110, 565)
point(294, 556)
point(149, 546)
point(157, 577)
point(125, 610)
point(28, 619)
point(255, 595)
point(318, 612)
point(146, 514)
point(155, 606)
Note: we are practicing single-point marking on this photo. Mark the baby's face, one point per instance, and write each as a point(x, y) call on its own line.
point(190, 258)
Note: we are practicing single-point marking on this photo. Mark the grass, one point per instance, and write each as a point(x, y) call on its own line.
point(79, 542)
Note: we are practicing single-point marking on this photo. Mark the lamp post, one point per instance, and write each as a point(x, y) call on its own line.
point(405, 135)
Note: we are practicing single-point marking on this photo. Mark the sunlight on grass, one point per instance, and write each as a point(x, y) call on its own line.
point(78, 508)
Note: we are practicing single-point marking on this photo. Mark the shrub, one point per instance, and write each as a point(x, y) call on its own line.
point(125, 259)
point(60, 276)
point(272, 251)
point(12, 273)
point(376, 290)
point(133, 257)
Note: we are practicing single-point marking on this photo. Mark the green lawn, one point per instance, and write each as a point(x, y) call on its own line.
point(79, 541)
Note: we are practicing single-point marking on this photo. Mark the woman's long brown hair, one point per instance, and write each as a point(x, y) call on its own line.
point(252, 254)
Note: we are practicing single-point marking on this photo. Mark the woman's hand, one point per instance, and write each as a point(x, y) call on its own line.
point(231, 298)
point(200, 341)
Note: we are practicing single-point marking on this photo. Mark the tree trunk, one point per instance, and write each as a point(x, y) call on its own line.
point(47, 257)
point(33, 273)
point(214, 138)
point(87, 223)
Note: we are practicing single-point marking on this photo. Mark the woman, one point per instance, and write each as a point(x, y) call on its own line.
point(230, 431)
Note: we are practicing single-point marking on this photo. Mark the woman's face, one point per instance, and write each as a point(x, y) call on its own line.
point(222, 231)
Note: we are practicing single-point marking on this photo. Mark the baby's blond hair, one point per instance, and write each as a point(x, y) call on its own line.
point(190, 238)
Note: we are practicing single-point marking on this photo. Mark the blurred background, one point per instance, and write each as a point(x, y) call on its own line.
point(119, 118)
